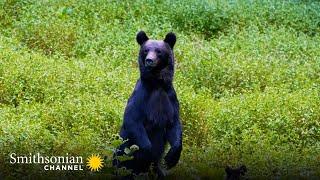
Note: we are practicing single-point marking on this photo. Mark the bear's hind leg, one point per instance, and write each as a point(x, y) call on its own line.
point(158, 144)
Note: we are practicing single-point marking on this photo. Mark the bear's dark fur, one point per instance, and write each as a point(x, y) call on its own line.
point(151, 117)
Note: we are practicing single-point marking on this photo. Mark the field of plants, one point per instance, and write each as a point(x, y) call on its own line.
point(247, 77)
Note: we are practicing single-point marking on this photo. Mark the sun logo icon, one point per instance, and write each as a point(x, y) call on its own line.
point(94, 162)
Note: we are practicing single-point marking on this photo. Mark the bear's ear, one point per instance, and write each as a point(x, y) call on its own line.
point(142, 37)
point(170, 39)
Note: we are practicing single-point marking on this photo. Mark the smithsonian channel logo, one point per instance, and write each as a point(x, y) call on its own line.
point(59, 163)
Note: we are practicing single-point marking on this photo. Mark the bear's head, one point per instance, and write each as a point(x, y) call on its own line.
point(156, 58)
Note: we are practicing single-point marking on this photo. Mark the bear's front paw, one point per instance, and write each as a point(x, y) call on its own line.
point(170, 161)
point(173, 156)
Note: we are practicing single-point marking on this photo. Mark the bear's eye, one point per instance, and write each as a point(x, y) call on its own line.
point(158, 51)
point(146, 51)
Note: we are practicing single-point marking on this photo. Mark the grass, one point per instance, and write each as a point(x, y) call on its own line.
point(247, 77)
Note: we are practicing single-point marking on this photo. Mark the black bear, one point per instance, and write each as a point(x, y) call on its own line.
point(151, 117)
point(235, 174)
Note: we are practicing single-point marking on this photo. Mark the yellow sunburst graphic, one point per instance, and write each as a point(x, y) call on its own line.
point(94, 162)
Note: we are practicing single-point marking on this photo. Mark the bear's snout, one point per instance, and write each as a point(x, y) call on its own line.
point(151, 60)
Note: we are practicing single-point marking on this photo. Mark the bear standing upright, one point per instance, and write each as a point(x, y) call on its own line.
point(151, 118)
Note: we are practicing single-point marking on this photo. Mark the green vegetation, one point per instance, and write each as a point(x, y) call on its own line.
point(247, 77)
